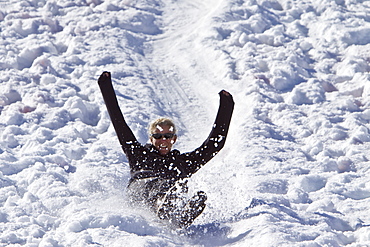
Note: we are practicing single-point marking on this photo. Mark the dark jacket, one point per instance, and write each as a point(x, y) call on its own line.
point(145, 161)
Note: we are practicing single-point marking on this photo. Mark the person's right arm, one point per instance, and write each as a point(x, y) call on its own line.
point(124, 133)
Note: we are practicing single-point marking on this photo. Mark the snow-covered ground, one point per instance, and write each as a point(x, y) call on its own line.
point(295, 169)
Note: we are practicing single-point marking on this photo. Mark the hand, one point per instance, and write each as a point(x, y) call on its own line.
point(104, 77)
point(227, 95)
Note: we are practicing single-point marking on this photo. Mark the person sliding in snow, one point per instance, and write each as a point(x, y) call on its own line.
point(158, 173)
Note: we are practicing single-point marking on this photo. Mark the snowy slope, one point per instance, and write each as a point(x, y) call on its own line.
point(294, 170)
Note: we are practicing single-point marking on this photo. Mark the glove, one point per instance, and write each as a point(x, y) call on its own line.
point(105, 77)
point(226, 95)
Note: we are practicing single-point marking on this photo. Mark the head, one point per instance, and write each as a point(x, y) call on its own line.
point(162, 134)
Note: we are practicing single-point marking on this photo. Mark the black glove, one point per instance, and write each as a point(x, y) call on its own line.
point(104, 77)
point(227, 96)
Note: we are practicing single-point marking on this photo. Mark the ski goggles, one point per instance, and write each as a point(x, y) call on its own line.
point(161, 136)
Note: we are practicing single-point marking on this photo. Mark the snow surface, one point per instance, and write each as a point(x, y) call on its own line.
point(295, 169)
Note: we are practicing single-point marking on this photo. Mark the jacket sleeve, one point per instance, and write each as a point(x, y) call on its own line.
point(216, 139)
point(124, 133)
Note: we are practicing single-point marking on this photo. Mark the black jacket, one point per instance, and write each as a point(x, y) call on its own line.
point(145, 161)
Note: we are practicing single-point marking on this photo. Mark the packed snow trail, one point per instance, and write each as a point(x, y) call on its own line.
point(181, 78)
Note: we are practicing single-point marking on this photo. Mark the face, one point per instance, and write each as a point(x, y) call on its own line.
point(163, 145)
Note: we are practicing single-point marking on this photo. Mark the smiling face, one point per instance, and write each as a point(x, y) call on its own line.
point(163, 144)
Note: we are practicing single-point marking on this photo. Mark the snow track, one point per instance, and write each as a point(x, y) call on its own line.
point(181, 77)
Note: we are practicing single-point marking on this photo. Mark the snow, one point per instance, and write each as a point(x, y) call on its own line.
point(295, 167)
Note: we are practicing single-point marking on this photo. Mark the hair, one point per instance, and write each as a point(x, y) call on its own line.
point(162, 122)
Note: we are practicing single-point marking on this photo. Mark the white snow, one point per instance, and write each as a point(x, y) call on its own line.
point(295, 169)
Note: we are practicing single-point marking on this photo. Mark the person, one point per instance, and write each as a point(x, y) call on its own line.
point(159, 174)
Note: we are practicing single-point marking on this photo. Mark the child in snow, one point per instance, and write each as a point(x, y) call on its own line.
point(158, 173)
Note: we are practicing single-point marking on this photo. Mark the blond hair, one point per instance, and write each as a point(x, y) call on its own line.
point(162, 122)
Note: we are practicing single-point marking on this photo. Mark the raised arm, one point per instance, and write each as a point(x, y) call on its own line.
point(123, 131)
point(216, 139)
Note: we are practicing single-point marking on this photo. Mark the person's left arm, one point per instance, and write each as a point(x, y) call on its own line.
point(216, 139)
